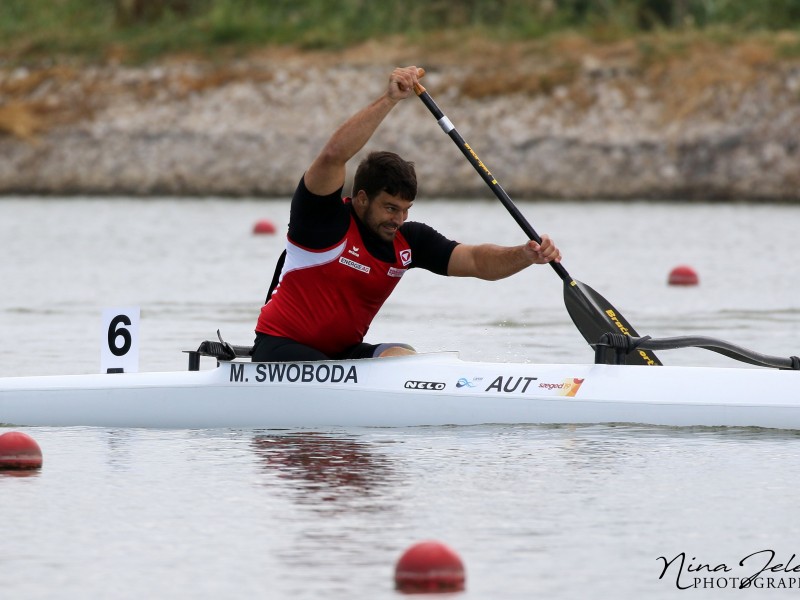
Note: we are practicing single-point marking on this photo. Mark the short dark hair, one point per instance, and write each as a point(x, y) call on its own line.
point(386, 172)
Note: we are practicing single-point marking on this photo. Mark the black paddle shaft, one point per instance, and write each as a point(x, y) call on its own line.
point(591, 313)
point(487, 176)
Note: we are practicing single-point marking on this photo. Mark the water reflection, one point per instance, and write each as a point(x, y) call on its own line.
point(119, 449)
point(331, 473)
point(17, 473)
point(614, 448)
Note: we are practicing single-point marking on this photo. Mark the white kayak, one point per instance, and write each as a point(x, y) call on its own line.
point(425, 389)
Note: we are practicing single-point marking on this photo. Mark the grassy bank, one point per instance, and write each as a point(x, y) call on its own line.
point(679, 50)
point(634, 98)
point(135, 31)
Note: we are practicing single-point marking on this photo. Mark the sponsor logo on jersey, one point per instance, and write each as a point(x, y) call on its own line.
point(395, 272)
point(405, 257)
point(353, 264)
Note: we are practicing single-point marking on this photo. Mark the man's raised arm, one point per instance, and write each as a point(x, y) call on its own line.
point(327, 173)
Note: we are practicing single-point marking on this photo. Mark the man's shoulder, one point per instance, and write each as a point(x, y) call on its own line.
point(317, 221)
point(417, 229)
point(303, 194)
point(431, 250)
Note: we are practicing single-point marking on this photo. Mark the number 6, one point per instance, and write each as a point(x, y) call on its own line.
point(115, 331)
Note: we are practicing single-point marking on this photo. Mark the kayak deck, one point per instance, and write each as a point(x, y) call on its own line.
point(424, 389)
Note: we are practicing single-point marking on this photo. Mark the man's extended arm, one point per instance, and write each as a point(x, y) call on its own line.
point(491, 262)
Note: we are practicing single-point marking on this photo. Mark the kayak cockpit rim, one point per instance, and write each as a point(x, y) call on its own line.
point(610, 349)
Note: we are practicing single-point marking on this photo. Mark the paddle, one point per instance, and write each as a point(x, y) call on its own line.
point(592, 314)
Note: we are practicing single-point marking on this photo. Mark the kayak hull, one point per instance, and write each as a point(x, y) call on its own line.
point(433, 389)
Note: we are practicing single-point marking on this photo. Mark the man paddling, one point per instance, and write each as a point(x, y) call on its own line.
point(344, 256)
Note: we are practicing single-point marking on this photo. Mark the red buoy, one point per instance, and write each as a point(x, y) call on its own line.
point(264, 226)
point(19, 451)
point(683, 275)
point(429, 567)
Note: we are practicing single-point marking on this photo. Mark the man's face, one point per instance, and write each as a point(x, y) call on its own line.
point(384, 214)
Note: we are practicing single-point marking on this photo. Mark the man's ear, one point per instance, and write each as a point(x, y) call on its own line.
point(361, 198)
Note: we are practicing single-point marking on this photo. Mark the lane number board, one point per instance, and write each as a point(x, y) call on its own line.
point(119, 343)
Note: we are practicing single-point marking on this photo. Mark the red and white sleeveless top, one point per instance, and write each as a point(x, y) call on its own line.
point(327, 298)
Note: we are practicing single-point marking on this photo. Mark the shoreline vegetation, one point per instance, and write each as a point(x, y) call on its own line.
point(663, 99)
point(141, 30)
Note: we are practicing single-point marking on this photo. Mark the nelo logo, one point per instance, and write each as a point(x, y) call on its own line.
point(425, 385)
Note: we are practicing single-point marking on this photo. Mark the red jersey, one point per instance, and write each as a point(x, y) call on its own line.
point(327, 298)
point(335, 274)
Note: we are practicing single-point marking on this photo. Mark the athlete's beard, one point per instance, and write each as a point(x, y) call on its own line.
point(386, 230)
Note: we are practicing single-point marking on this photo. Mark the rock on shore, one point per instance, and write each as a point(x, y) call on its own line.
point(602, 130)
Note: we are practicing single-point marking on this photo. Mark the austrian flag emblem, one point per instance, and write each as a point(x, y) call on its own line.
point(405, 257)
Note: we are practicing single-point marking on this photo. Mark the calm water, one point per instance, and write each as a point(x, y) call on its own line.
point(535, 512)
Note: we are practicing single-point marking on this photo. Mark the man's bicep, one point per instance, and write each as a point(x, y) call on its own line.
point(324, 177)
point(462, 261)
